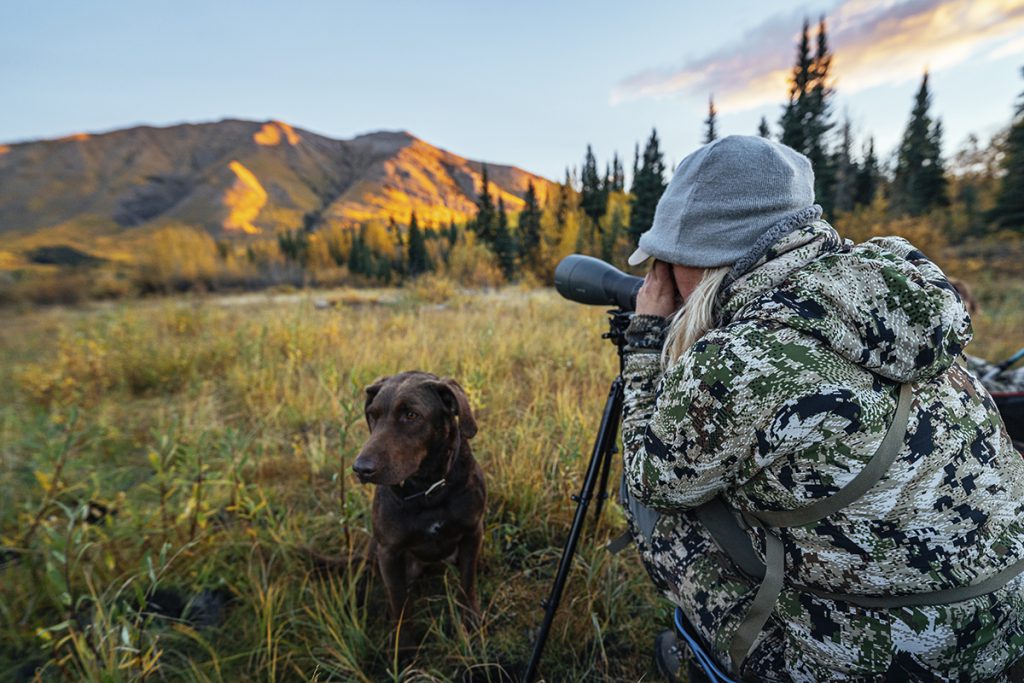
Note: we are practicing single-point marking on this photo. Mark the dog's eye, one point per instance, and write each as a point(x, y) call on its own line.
point(410, 415)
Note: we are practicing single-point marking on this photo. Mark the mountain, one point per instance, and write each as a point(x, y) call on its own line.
point(234, 178)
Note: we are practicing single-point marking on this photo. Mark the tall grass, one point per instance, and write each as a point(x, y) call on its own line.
point(173, 451)
point(178, 505)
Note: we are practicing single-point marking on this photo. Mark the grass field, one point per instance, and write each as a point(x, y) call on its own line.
point(184, 449)
point(178, 503)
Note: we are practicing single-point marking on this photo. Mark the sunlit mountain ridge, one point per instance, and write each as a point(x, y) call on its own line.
point(237, 178)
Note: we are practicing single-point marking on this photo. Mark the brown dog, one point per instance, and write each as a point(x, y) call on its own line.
point(429, 502)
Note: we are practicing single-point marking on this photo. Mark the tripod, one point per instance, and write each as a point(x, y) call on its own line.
point(598, 469)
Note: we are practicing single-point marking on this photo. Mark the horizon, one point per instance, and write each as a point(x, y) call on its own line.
point(627, 72)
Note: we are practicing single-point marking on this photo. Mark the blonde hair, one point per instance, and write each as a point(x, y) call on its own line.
point(695, 317)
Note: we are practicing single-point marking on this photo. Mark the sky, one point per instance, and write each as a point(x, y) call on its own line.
point(527, 83)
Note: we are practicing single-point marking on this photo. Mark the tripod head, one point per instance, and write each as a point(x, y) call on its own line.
point(618, 321)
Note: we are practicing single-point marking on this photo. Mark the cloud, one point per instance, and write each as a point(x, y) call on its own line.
point(875, 42)
point(1009, 48)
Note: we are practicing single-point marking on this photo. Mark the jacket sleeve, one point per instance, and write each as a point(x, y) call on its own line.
point(690, 433)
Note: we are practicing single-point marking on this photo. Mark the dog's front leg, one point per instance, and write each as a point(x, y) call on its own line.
point(392, 571)
point(469, 554)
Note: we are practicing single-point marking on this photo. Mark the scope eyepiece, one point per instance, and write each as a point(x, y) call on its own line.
point(589, 280)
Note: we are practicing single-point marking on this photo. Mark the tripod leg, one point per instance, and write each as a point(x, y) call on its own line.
point(598, 458)
point(608, 452)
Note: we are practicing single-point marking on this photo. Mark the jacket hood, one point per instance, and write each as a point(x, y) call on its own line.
point(881, 304)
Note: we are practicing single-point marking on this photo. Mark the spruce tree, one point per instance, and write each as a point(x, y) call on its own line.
point(648, 186)
point(360, 260)
point(806, 118)
point(382, 270)
point(562, 204)
point(762, 128)
point(418, 258)
point(919, 183)
point(453, 234)
point(593, 196)
point(294, 244)
point(820, 122)
point(353, 256)
point(529, 229)
point(710, 128)
point(845, 170)
point(484, 223)
point(935, 175)
point(969, 185)
point(504, 244)
point(618, 176)
point(866, 183)
point(502, 216)
point(1008, 212)
point(792, 123)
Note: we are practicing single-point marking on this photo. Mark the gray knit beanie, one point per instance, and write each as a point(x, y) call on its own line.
point(728, 202)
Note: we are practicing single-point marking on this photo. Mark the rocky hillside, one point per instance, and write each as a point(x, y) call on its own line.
point(236, 178)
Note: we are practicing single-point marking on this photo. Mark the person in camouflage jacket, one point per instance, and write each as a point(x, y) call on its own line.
point(781, 403)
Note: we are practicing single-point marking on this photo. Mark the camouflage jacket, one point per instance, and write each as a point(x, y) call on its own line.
point(782, 404)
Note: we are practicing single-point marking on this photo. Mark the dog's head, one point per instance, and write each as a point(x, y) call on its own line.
point(411, 416)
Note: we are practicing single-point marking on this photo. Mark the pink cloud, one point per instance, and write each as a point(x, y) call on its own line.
point(875, 42)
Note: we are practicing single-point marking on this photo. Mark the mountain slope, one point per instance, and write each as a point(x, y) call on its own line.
point(239, 178)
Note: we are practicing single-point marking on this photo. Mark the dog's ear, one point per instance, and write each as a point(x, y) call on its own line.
point(371, 393)
point(455, 400)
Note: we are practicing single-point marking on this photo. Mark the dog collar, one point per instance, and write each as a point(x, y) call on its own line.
point(443, 481)
point(440, 483)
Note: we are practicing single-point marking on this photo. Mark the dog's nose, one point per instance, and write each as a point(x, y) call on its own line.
point(364, 469)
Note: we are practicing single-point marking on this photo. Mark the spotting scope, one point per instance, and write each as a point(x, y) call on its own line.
point(589, 280)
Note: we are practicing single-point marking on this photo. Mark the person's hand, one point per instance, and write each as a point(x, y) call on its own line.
point(658, 295)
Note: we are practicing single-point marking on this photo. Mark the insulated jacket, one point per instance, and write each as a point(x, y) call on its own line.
point(781, 404)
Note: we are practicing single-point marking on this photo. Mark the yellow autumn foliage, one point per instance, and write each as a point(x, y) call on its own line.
point(176, 255)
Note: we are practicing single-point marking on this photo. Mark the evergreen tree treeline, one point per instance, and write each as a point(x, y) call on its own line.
point(1009, 208)
point(591, 211)
point(842, 181)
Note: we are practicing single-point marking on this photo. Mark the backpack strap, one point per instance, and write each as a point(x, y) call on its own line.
point(731, 536)
point(765, 599)
point(736, 543)
point(870, 475)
